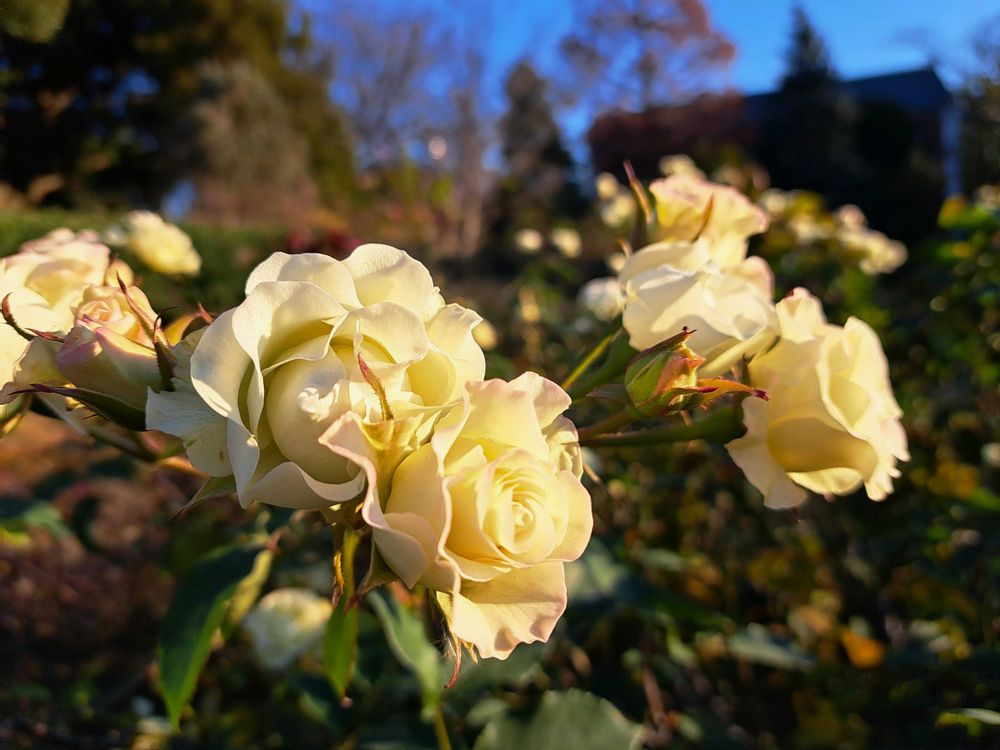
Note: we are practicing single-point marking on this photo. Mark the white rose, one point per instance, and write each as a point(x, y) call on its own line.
point(604, 298)
point(285, 624)
point(163, 247)
point(46, 280)
point(831, 423)
point(672, 285)
point(488, 511)
point(286, 364)
point(688, 208)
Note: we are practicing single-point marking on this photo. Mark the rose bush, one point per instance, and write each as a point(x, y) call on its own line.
point(832, 423)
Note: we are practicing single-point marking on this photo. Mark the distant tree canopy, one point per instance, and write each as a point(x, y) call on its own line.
point(539, 183)
point(634, 54)
point(104, 112)
point(981, 110)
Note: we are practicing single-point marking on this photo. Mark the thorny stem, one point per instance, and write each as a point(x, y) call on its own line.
point(608, 424)
point(121, 442)
point(720, 426)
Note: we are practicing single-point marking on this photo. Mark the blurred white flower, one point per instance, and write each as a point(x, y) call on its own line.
point(618, 210)
point(616, 261)
point(728, 174)
point(604, 298)
point(285, 624)
point(568, 241)
point(528, 307)
point(774, 201)
point(879, 254)
point(160, 246)
point(806, 228)
point(988, 196)
point(529, 241)
point(991, 455)
point(680, 164)
point(850, 216)
point(607, 186)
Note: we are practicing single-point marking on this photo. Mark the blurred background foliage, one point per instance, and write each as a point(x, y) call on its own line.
point(697, 618)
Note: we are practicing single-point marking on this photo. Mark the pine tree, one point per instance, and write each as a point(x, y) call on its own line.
point(807, 138)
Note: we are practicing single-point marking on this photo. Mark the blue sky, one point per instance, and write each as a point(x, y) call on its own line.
point(863, 36)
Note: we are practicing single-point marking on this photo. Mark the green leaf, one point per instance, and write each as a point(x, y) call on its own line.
point(405, 634)
point(973, 719)
point(111, 408)
point(340, 646)
point(573, 719)
point(756, 644)
point(486, 674)
point(247, 592)
point(214, 487)
point(195, 613)
point(17, 517)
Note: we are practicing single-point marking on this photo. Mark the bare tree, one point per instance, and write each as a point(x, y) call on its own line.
point(633, 54)
point(412, 83)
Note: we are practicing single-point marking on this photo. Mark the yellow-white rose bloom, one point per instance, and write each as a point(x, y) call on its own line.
point(688, 208)
point(163, 247)
point(285, 624)
point(487, 512)
point(286, 364)
point(670, 285)
point(46, 280)
point(831, 423)
point(604, 298)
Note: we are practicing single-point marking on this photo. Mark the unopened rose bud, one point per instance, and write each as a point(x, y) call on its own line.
point(661, 380)
point(106, 362)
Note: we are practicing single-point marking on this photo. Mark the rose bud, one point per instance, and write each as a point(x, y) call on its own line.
point(660, 380)
point(109, 349)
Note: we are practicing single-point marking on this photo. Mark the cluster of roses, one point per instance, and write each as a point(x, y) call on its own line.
point(352, 388)
point(349, 387)
point(830, 423)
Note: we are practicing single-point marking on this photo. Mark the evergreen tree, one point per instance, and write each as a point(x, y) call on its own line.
point(807, 138)
point(102, 112)
point(539, 183)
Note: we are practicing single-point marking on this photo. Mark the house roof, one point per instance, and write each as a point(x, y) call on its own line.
point(917, 91)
